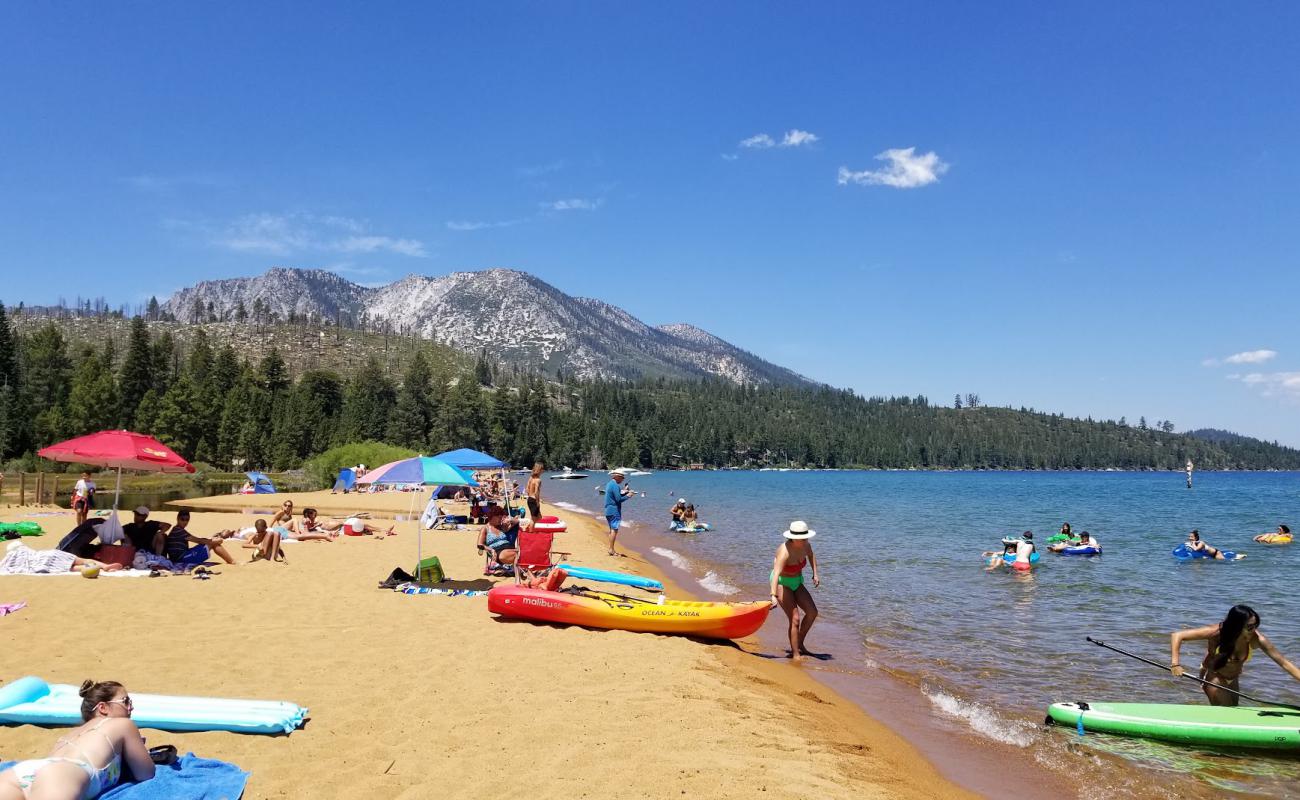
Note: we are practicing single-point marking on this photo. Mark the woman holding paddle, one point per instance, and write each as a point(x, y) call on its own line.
point(1228, 648)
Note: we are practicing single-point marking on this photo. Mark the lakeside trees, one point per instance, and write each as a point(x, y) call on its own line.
point(213, 406)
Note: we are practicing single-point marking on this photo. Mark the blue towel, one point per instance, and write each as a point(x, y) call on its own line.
point(190, 778)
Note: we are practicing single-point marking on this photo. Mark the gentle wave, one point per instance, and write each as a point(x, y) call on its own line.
point(714, 583)
point(572, 507)
point(980, 718)
point(678, 560)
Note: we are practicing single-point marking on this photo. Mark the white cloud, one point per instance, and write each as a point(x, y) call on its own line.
point(289, 234)
point(1251, 357)
point(729, 156)
point(792, 138)
point(759, 141)
point(574, 204)
point(371, 244)
point(798, 138)
point(905, 170)
point(1272, 384)
point(479, 225)
point(538, 170)
point(1248, 357)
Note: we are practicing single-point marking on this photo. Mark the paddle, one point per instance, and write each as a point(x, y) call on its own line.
point(1100, 643)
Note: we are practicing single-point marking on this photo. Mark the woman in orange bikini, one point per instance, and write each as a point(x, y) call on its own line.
point(788, 590)
point(1228, 649)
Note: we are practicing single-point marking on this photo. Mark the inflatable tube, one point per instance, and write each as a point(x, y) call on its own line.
point(698, 527)
point(32, 701)
point(1184, 553)
point(26, 528)
point(1275, 538)
point(609, 576)
point(1011, 557)
point(1061, 537)
point(1080, 551)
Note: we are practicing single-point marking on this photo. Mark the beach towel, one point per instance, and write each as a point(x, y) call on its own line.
point(8, 608)
point(23, 560)
point(190, 778)
point(415, 588)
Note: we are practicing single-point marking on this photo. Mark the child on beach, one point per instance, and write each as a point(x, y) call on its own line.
point(83, 497)
point(788, 589)
point(177, 543)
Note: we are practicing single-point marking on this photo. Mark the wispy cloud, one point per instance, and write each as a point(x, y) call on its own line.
point(1273, 384)
point(573, 204)
point(168, 184)
point(538, 170)
point(798, 138)
point(792, 138)
point(479, 225)
point(905, 170)
point(729, 157)
point(1247, 357)
point(297, 233)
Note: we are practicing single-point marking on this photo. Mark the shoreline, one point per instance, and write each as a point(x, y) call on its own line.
point(427, 686)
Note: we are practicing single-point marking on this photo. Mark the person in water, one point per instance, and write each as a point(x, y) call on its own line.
point(1066, 532)
point(1228, 648)
point(788, 589)
point(1025, 550)
point(677, 510)
point(1282, 534)
point(1195, 544)
point(1085, 540)
point(86, 762)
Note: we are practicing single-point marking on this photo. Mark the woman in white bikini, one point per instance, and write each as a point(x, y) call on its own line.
point(88, 761)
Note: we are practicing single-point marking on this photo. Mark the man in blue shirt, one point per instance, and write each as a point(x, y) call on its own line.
point(615, 494)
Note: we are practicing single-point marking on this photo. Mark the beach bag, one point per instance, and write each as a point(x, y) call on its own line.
point(430, 571)
point(110, 532)
point(123, 554)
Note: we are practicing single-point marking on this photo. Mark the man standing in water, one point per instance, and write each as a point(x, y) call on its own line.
point(615, 494)
point(1189, 473)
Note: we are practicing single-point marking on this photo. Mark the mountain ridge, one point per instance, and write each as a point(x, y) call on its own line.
point(513, 316)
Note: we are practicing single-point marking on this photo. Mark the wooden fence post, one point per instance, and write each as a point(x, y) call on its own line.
point(22, 488)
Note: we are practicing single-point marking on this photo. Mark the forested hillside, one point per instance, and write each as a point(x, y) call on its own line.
point(215, 404)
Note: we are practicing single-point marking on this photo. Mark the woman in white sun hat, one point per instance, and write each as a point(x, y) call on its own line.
point(788, 589)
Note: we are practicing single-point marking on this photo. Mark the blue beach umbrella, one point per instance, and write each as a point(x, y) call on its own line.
point(420, 471)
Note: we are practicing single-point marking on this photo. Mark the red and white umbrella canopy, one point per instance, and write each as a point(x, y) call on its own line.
point(118, 450)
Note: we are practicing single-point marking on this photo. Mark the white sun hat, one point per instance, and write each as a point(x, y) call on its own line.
point(356, 525)
point(618, 471)
point(799, 530)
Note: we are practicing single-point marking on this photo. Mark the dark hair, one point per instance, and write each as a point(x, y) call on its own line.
point(1085, 533)
point(259, 524)
point(308, 512)
point(1028, 534)
point(1230, 631)
point(92, 694)
point(1195, 534)
point(1284, 528)
point(183, 514)
point(1065, 528)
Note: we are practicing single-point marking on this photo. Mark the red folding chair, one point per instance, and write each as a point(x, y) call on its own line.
point(534, 557)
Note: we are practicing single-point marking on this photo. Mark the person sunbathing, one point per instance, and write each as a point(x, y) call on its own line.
point(310, 529)
point(260, 538)
point(23, 560)
point(178, 540)
point(88, 761)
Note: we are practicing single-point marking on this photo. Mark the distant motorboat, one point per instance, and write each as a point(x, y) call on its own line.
point(567, 475)
point(636, 473)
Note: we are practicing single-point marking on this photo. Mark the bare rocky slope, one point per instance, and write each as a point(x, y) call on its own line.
point(515, 317)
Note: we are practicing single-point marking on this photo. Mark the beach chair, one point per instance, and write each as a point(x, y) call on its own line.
point(535, 554)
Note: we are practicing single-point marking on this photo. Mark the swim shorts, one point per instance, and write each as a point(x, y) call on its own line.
point(614, 521)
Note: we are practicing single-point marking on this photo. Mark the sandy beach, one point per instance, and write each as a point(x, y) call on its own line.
point(430, 696)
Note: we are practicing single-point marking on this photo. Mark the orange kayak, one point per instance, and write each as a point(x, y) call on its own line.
point(615, 612)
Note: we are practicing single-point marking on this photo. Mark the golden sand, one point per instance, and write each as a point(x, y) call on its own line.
point(429, 696)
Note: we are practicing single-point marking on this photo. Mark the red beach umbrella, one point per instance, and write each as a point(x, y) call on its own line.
point(120, 449)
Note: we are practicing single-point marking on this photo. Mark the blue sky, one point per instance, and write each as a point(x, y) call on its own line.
point(1085, 208)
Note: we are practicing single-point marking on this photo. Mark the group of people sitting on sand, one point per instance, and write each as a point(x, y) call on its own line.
point(266, 538)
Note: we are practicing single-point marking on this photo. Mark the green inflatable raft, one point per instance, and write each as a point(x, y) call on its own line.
point(21, 528)
point(1219, 726)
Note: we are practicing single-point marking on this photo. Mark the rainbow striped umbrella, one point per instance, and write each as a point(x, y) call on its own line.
point(422, 471)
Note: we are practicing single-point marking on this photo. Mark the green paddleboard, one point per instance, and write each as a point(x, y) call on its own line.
point(1266, 727)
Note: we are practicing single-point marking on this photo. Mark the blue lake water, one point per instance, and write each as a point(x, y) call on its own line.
point(900, 561)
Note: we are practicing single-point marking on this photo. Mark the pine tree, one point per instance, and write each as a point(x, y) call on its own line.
point(178, 422)
point(368, 402)
point(92, 397)
point(136, 376)
point(47, 380)
point(463, 415)
point(273, 373)
point(412, 419)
